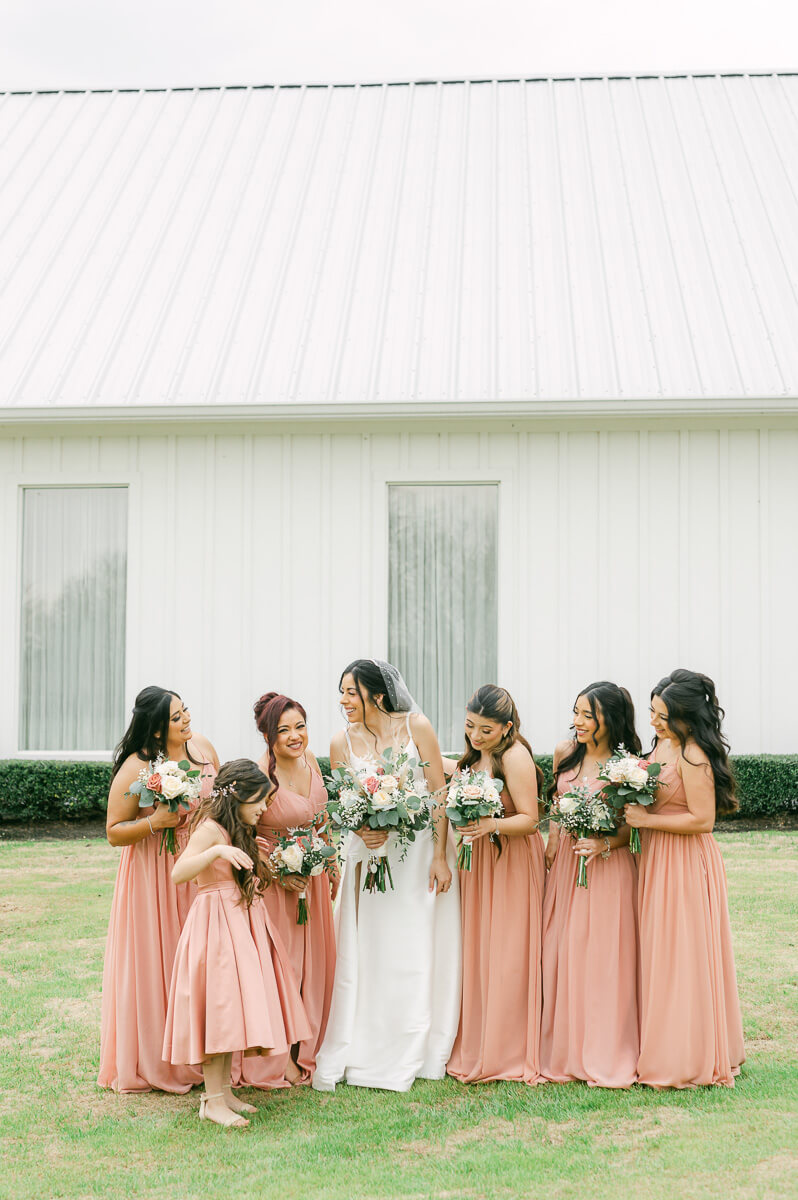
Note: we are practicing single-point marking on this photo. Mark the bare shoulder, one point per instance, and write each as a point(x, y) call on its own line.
point(129, 770)
point(204, 744)
point(207, 833)
point(422, 730)
point(314, 762)
point(338, 748)
point(692, 758)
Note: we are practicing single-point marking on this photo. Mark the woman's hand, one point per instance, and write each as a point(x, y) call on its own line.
point(335, 883)
point(475, 830)
point(294, 883)
point(590, 848)
point(372, 838)
point(162, 818)
point(440, 877)
point(237, 858)
point(635, 815)
point(551, 850)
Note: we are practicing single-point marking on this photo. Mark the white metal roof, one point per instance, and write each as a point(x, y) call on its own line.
point(511, 241)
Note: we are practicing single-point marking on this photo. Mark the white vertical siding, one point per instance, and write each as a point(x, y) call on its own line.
point(259, 561)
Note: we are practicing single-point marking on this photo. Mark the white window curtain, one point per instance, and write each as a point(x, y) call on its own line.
point(74, 568)
point(443, 602)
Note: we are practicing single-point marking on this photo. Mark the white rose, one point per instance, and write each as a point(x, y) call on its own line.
point(171, 787)
point(638, 777)
point(292, 857)
point(617, 771)
point(170, 767)
point(388, 783)
point(317, 870)
point(566, 805)
point(492, 796)
point(382, 800)
point(472, 791)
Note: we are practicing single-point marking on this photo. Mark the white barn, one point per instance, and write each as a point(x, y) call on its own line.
point(498, 379)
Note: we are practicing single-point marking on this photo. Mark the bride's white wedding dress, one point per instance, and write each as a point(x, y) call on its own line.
point(396, 997)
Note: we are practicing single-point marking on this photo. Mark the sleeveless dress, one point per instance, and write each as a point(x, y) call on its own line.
point(691, 1028)
point(147, 914)
point(591, 1027)
point(396, 997)
point(311, 947)
point(224, 994)
point(500, 906)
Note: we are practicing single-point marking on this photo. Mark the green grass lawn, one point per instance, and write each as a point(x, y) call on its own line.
point(62, 1136)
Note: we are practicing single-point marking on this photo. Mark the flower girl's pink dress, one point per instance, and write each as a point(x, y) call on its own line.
point(590, 1028)
point(228, 991)
point(147, 914)
point(691, 1026)
point(310, 947)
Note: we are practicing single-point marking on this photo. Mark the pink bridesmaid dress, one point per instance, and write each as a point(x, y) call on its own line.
point(691, 1029)
point(591, 1026)
point(500, 902)
point(225, 995)
point(310, 948)
point(147, 914)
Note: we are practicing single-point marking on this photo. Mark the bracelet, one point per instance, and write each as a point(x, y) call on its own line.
point(495, 826)
point(608, 848)
point(149, 822)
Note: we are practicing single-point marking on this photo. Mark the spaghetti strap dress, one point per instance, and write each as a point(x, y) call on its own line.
point(148, 912)
point(500, 908)
point(396, 996)
point(691, 1028)
point(591, 1026)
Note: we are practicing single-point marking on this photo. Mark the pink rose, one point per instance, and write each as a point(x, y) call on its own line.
point(154, 783)
point(371, 784)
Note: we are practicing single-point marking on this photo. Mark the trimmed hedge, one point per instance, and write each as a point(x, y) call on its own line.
point(52, 790)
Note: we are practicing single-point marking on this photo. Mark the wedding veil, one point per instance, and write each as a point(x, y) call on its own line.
point(396, 689)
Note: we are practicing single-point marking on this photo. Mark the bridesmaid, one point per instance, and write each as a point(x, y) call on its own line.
point(299, 802)
point(498, 1036)
point(591, 1027)
point(691, 1029)
point(148, 910)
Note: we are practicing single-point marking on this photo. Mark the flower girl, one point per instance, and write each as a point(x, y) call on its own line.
point(229, 991)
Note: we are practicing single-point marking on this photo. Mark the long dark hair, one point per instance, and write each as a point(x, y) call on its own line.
point(497, 704)
point(617, 708)
point(148, 732)
point(369, 683)
point(269, 711)
point(238, 782)
point(694, 712)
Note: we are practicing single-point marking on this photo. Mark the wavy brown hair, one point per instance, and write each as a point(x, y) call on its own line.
point(497, 704)
point(616, 706)
point(238, 782)
point(694, 712)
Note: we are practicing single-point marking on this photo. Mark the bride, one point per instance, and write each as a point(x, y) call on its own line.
point(396, 997)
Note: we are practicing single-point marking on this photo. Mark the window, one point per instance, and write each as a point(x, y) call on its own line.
point(72, 653)
point(442, 619)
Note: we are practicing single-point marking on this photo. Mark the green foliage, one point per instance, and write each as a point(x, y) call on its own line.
point(51, 790)
point(767, 784)
point(55, 790)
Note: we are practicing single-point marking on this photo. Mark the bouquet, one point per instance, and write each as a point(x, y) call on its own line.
point(391, 796)
point(174, 784)
point(584, 813)
point(628, 779)
point(301, 852)
point(472, 794)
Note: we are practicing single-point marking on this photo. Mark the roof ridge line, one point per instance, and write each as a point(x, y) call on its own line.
point(536, 77)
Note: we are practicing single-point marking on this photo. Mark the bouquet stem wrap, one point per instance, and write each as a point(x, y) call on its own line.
point(464, 854)
point(378, 871)
point(302, 909)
